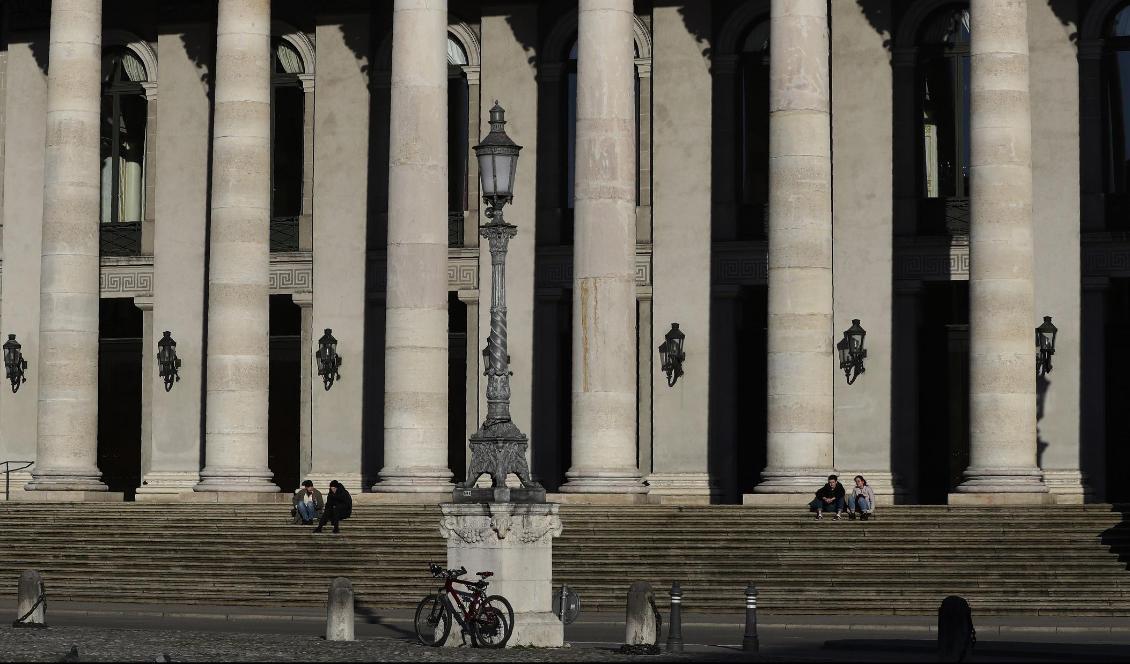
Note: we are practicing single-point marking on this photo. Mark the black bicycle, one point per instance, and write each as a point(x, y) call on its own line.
point(489, 620)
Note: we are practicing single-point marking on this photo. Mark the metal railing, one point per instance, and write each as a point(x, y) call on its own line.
point(121, 238)
point(8, 470)
point(284, 234)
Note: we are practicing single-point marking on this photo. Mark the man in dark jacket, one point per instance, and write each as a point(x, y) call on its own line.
point(339, 505)
point(829, 498)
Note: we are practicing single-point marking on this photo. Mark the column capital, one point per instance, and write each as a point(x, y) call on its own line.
point(468, 296)
point(307, 81)
point(908, 286)
point(144, 303)
point(303, 299)
point(1096, 283)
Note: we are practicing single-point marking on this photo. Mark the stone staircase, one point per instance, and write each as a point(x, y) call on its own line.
point(1063, 560)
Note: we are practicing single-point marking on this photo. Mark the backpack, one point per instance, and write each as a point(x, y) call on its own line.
point(956, 636)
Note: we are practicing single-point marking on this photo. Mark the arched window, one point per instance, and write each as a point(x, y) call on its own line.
point(122, 137)
point(457, 136)
point(1116, 119)
point(943, 103)
point(752, 97)
point(286, 145)
point(570, 115)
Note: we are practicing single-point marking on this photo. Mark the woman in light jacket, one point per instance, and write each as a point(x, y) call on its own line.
point(861, 499)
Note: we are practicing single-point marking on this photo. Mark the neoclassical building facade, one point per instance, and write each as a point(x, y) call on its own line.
point(246, 174)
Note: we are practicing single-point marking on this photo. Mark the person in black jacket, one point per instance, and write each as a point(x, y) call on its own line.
point(339, 505)
point(829, 498)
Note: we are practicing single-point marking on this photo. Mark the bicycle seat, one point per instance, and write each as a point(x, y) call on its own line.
point(485, 575)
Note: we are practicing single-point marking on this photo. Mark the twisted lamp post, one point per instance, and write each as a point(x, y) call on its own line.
point(498, 448)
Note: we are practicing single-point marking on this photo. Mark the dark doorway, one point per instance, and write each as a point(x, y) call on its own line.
point(551, 445)
point(285, 382)
point(457, 386)
point(119, 394)
point(747, 371)
point(943, 390)
point(1117, 390)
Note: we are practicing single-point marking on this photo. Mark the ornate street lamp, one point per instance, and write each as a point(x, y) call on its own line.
point(168, 364)
point(852, 352)
point(671, 354)
point(1045, 343)
point(14, 363)
point(498, 448)
point(328, 360)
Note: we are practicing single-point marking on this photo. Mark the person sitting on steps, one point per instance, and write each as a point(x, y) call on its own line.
point(307, 504)
point(861, 500)
point(339, 506)
point(829, 498)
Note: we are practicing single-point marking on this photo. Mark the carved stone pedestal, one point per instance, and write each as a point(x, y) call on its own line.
point(515, 541)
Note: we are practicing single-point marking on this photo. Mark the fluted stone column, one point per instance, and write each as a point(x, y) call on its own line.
point(800, 358)
point(236, 416)
point(1002, 380)
point(604, 241)
point(415, 421)
point(67, 445)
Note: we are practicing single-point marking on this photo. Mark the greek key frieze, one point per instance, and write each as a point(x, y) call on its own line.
point(1106, 260)
point(126, 281)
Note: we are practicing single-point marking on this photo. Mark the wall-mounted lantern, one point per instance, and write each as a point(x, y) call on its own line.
point(14, 363)
point(671, 354)
point(852, 351)
point(168, 364)
point(1045, 344)
point(328, 360)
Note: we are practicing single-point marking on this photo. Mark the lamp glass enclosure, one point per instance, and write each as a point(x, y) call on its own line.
point(498, 161)
point(1045, 334)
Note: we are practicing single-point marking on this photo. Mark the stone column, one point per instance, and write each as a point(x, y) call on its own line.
point(181, 206)
point(236, 416)
point(863, 235)
point(341, 157)
point(308, 371)
point(1055, 223)
point(25, 126)
point(681, 258)
point(470, 225)
point(415, 421)
point(67, 446)
point(148, 372)
point(150, 195)
point(644, 152)
point(1092, 203)
point(604, 290)
point(645, 352)
point(306, 210)
point(1002, 381)
point(800, 359)
point(723, 218)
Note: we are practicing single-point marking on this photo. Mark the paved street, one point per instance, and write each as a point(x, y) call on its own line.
point(214, 633)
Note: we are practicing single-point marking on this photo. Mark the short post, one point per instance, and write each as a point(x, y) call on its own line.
point(675, 629)
point(339, 611)
point(750, 641)
point(31, 603)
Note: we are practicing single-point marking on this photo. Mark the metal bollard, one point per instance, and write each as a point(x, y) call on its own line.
point(675, 629)
point(750, 641)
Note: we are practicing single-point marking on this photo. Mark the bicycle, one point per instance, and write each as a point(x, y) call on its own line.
point(488, 619)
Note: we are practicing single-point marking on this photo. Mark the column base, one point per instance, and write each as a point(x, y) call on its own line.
point(1070, 487)
point(986, 499)
point(603, 480)
point(18, 481)
point(228, 497)
point(792, 481)
point(415, 479)
point(238, 480)
point(351, 482)
point(597, 498)
point(86, 481)
point(166, 483)
point(1002, 480)
point(65, 496)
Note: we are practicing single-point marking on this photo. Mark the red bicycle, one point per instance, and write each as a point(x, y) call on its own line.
point(488, 619)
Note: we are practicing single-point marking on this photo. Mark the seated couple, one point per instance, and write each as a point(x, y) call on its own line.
point(309, 506)
point(832, 498)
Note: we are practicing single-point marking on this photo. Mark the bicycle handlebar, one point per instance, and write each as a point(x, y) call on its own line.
point(438, 571)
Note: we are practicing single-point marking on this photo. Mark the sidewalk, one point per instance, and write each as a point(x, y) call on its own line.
point(986, 625)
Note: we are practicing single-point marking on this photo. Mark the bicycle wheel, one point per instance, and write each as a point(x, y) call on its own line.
point(494, 623)
point(433, 621)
